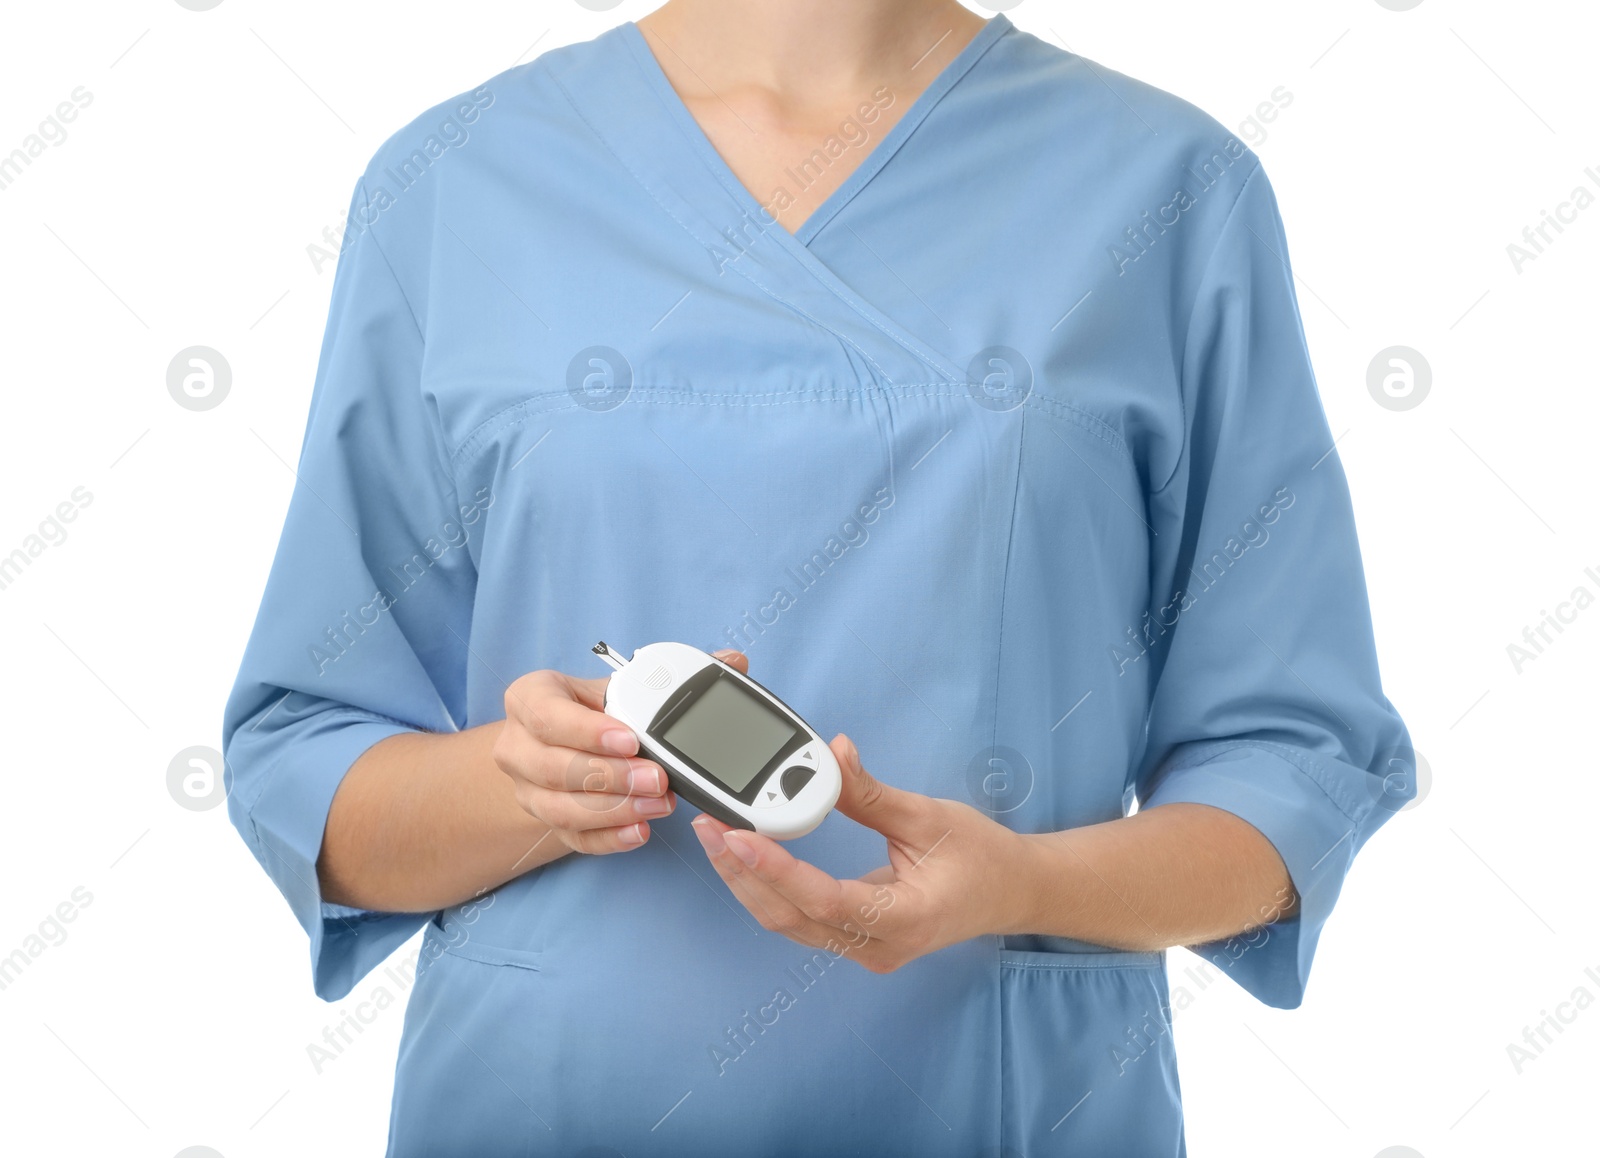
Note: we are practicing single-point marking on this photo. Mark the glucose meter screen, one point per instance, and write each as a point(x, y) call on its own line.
point(729, 733)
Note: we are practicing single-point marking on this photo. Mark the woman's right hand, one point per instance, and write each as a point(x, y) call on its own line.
point(578, 770)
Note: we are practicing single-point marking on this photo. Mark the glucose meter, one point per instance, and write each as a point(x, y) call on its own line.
point(728, 746)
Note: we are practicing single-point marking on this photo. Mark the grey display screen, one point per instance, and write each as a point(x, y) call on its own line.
point(729, 733)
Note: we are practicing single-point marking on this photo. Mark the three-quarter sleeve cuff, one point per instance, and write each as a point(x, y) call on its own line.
point(284, 821)
point(1313, 812)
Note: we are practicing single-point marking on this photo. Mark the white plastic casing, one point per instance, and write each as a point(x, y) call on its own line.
point(642, 686)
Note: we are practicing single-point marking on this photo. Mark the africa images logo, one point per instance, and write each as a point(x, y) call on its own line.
point(1140, 238)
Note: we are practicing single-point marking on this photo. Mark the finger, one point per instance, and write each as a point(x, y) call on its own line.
point(775, 911)
point(843, 909)
point(564, 770)
point(807, 887)
point(568, 770)
point(582, 812)
point(529, 695)
point(556, 719)
point(604, 841)
point(590, 692)
point(898, 814)
point(539, 712)
point(853, 907)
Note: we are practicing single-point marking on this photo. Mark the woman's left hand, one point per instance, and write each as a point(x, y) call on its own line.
point(953, 874)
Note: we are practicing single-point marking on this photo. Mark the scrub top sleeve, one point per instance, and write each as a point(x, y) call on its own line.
point(361, 631)
point(1266, 697)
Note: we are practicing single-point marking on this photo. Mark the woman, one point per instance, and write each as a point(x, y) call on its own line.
point(957, 388)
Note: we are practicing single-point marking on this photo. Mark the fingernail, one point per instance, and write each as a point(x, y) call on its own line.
point(709, 837)
point(742, 850)
point(621, 742)
point(644, 779)
point(652, 805)
point(633, 834)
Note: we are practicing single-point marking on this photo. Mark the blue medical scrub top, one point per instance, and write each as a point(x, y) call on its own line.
point(1010, 464)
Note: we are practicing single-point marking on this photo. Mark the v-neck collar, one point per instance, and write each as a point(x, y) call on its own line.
point(616, 88)
point(875, 160)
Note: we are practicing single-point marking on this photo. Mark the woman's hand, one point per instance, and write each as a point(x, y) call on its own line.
point(953, 874)
point(577, 769)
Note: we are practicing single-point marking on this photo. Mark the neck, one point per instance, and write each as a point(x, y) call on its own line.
point(808, 52)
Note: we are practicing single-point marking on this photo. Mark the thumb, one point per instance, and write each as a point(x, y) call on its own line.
point(734, 659)
point(869, 801)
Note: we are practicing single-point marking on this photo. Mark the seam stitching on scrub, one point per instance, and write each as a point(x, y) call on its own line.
point(1294, 757)
point(999, 657)
point(431, 416)
point(806, 314)
point(1005, 576)
point(335, 712)
point(1183, 409)
point(482, 956)
point(1088, 419)
point(852, 303)
point(1117, 962)
point(416, 323)
point(527, 408)
point(1000, 1049)
point(522, 411)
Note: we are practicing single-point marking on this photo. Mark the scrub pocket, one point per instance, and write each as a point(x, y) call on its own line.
point(463, 1082)
point(1087, 1058)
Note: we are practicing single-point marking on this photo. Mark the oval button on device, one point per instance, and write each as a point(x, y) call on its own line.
point(796, 778)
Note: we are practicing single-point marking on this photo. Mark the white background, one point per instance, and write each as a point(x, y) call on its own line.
point(177, 1010)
